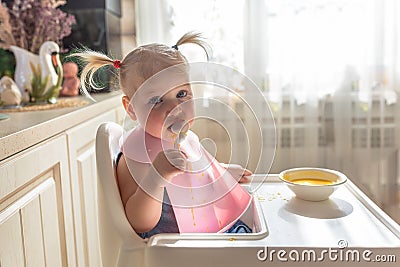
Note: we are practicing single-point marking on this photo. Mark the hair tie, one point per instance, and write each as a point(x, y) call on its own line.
point(175, 47)
point(117, 64)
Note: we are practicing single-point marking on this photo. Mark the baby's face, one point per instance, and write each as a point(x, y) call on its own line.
point(158, 109)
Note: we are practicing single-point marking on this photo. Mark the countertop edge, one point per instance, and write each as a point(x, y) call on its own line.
point(23, 139)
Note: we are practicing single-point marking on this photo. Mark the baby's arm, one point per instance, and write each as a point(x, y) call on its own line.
point(237, 172)
point(143, 207)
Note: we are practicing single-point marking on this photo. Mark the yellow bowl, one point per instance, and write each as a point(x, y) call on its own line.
point(313, 184)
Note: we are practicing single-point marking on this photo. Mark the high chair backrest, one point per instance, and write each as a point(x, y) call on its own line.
point(120, 245)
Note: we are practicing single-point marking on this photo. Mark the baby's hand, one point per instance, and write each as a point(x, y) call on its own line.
point(170, 163)
point(237, 172)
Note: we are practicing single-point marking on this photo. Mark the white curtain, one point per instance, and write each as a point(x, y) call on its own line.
point(255, 41)
point(333, 77)
point(329, 68)
point(153, 21)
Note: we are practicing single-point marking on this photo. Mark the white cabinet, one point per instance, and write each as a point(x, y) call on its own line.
point(48, 201)
point(36, 227)
point(81, 149)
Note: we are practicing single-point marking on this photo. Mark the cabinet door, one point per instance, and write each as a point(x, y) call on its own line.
point(35, 212)
point(81, 146)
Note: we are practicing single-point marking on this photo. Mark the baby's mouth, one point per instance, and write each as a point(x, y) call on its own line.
point(179, 127)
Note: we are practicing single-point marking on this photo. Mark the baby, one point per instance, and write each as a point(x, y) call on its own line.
point(154, 180)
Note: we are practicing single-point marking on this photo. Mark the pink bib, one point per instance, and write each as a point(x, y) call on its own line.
point(205, 198)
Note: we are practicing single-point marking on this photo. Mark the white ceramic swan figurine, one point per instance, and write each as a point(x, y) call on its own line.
point(48, 59)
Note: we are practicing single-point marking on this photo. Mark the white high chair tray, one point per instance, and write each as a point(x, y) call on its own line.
point(347, 218)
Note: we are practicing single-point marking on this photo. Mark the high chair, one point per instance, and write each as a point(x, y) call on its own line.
point(120, 245)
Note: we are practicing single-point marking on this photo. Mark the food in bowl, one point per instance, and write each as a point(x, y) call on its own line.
point(312, 184)
point(308, 181)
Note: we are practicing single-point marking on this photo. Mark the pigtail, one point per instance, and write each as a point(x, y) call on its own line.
point(92, 61)
point(194, 38)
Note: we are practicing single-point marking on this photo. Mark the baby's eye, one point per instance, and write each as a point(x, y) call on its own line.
point(155, 100)
point(181, 93)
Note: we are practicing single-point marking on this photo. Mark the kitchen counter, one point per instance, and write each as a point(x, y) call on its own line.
point(48, 210)
point(24, 129)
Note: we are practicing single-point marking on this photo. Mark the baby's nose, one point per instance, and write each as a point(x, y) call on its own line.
point(174, 107)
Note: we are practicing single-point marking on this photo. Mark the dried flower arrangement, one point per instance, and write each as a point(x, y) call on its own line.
point(29, 23)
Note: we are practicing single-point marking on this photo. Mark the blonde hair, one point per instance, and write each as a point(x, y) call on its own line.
point(140, 64)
